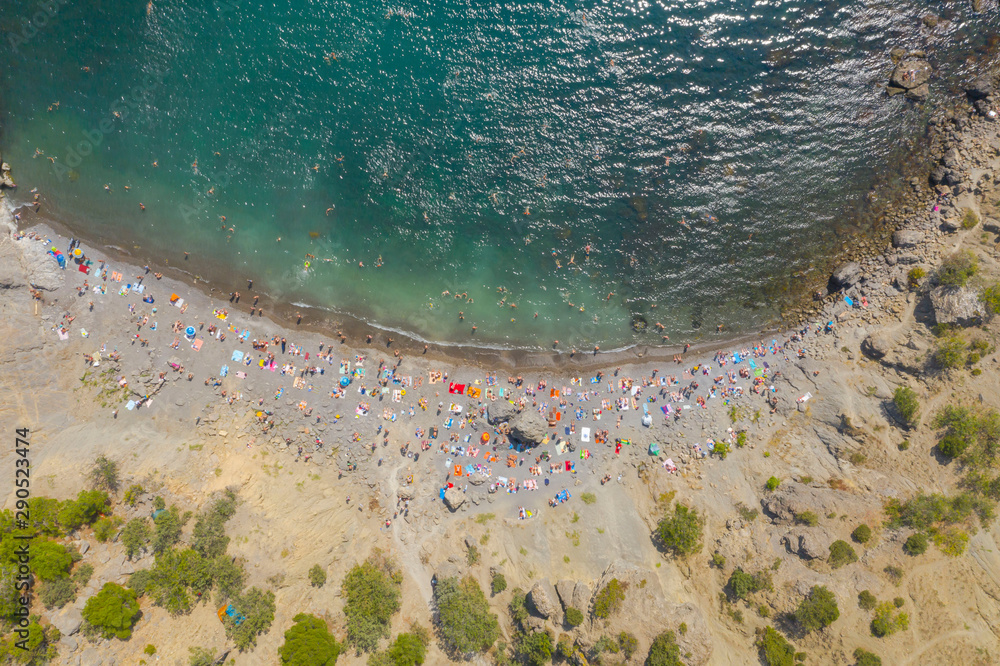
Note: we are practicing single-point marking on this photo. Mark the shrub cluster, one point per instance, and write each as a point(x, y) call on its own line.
point(465, 622)
point(818, 610)
point(609, 599)
point(372, 591)
point(906, 402)
point(681, 533)
point(309, 643)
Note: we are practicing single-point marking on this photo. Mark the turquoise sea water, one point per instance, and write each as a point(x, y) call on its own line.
point(472, 146)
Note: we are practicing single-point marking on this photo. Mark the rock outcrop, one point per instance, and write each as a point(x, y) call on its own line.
point(847, 274)
point(543, 599)
point(956, 305)
point(910, 76)
point(809, 543)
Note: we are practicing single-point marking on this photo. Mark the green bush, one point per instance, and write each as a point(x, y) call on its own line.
point(150, 649)
point(536, 648)
point(498, 583)
point(721, 449)
point(807, 518)
point(408, 649)
point(588, 498)
point(681, 533)
point(574, 617)
point(57, 593)
point(317, 576)
point(113, 611)
point(371, 590)
point(609, 599)
point(887, 621)
point(133, 494)
point(664, 651)
point(818, 610)
point(862, 534)
point(906, 402)
point(465, 621)
point(309, 643)
point(991, 300)
point(950, 352)
point(83, 573)
point(50, 560)
point(914, 277)
point(863, 657)
point(159, 503)
point(200, 656)
point(924, 512)
point(518, 607)
point(898, 602)
point(961, 430)
point(741, 584)
point(257, 607)
point(841, 553)
point(916, 544)
point(627, 643)
point(106, 528)
point(867, 600)
point(718, 561)
point(956, 269)
point(952, 541)
point(104, 474)
point(135, 536)
point(775, 649)
point(969, 219)
point(772, 483)
point(37, 647)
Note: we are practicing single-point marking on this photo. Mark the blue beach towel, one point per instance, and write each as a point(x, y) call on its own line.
point(237, 356)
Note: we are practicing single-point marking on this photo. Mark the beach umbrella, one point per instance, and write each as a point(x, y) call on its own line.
point(189, 332)
point(344, 382)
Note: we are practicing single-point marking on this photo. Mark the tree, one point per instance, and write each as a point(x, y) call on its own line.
point(741, 584)
point(664, 651)
point(372, 593)
point(50, 560)
point(950, 352)
point(775, 649)
point(627, 643)
point(464, 618)
point(956, 269)
point(104, 474)
point(37, 647)
point(113, 611)
point(841, 553)
point(574, 617)
point(906, 401)
point(867, 600)
point(168, 530)
point(135, 536)
point(498, 584)
point(681, 533)
point(915, 544)
point(309, 643)
point(209, 534)
point(257, 607)
point(317, 576)
point(84, 510)
point(536, 648)
point(773, 483)
point(609, 599)
point(818, 610)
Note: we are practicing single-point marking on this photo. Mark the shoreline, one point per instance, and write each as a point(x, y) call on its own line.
point(798, 300)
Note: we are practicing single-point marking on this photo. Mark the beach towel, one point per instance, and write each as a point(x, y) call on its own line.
point(568, 465)
point(584, 434)
point(63, 336)
point(237, 356)
point(456, 388)
point(299, 383)
point(196, 345)
point(130, 405)
point(224, 370)
point(84, 269)
point(241, 374)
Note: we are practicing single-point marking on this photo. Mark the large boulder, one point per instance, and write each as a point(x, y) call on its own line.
point(529, 427)
point(980, 88)
point(956, 305)
point(581, 597)
point(809, 543)
point(454, 498)
point(564, 589)
point(543, 599)
point(847, 274)
point(878, 344)
point(793, 499)
point(67, 621)
point(910, 73)
point(501, 412)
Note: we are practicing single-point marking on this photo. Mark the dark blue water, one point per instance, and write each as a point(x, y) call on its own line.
point(708, 154)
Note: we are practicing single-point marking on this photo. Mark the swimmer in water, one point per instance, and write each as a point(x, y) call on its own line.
point(329, 209)
point(37, 153)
